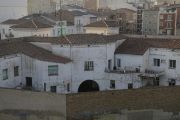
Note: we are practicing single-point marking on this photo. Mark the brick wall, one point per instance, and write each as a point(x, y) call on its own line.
point(88, 105)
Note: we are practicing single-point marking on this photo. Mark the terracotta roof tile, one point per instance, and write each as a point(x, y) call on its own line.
point(31, 51)
point(77, 39)
point(102, 23)
point(14, 21)
point(139, 46)
point(32, 24)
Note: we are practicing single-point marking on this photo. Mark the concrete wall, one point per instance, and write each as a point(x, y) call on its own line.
point(31, 105)
point(9, 62)
point(96, 105)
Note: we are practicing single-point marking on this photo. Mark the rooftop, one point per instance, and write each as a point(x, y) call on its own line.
point(138, 46)
point(102, 23)
point(19, 46)
point(77, 39)
point(74, 12)
point(32, 24)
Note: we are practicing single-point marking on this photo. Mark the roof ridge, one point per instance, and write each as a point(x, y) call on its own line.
point(67, 39)
point(34, 24)
point(105, 23)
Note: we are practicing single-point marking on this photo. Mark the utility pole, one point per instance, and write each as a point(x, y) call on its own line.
point(60, 20)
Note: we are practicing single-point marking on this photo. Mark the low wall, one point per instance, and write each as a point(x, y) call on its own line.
point(20, 103)
point(90, 105)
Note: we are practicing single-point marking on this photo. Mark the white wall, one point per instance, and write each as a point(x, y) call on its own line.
point(38, 70)
point(102, 30)
point(22, 32)
point(6, 27)
point(9, 62)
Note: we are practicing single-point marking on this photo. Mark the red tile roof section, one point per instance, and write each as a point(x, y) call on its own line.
point(139, 46)
point(31, 51)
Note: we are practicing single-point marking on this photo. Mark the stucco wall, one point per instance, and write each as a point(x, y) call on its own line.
point(27, 103)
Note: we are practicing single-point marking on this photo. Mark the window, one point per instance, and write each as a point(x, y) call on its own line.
point(68, 87)
point(169, 17)
point(16, 72)
point(172, 82)
point(52, 70)
point(160, 31)
point(149, 22)
point(156, 62)
point(53, 31)
point(154, 23)
point(168, 25)
point(130, 86)
point(109, 64)
point(154, 30)
point(146, 22)
point(161, 23)
point(53, 89)
point(89, 65)
point(161, 16)
point(145, 30)
point(149, 30)
point(112, 83)
point(146, 15)
point(3, 31)
point(118, 62)
point(5, 74)
point(154, 15)
point(172, 63)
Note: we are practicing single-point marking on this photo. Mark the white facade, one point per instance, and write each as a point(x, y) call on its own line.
point(6, 30)
point(24, 32)
point(102, 30)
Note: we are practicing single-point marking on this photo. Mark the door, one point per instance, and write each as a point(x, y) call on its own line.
point(168, 32)
point(29, 81)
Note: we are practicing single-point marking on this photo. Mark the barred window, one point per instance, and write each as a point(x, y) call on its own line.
point(89, 65)
point(53, 70)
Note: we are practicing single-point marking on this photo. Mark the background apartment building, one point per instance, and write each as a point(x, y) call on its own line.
point(151, 21)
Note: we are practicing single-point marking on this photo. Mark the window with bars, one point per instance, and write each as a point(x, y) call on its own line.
point(16, 71)
point(89, 65)
point(5, 74)
point(52, 70)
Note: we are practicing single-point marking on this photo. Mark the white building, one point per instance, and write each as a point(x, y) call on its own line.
point(102, 27)
point(140, 62)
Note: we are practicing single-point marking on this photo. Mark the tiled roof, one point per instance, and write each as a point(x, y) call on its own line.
point(77, 39)
point(13, 21)
point(102, 23)
point(32, 24)
point(31, 51)
point(139, 46)
point(74, 12)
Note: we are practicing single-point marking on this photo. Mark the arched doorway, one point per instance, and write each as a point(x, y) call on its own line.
point(88, 85)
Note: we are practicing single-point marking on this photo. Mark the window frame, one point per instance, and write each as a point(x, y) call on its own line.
point(130, 86)
point(56, 73)
point(54, 89)
point(156, 62)
point(87, 65)
point(161, 16)
point(154, 15)
point(169, 16)
point(118, 62)
point(172, 67)
point(112, 84)
point(161, 23)
point(6, 74)
point(16, 68)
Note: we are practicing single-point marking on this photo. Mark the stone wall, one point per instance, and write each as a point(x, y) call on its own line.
point(91, 105)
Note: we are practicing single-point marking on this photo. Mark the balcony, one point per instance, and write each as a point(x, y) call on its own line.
point(169, 20)
point(152, 73)
point(79, 25)
point(9, 35)
point(118, 71)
